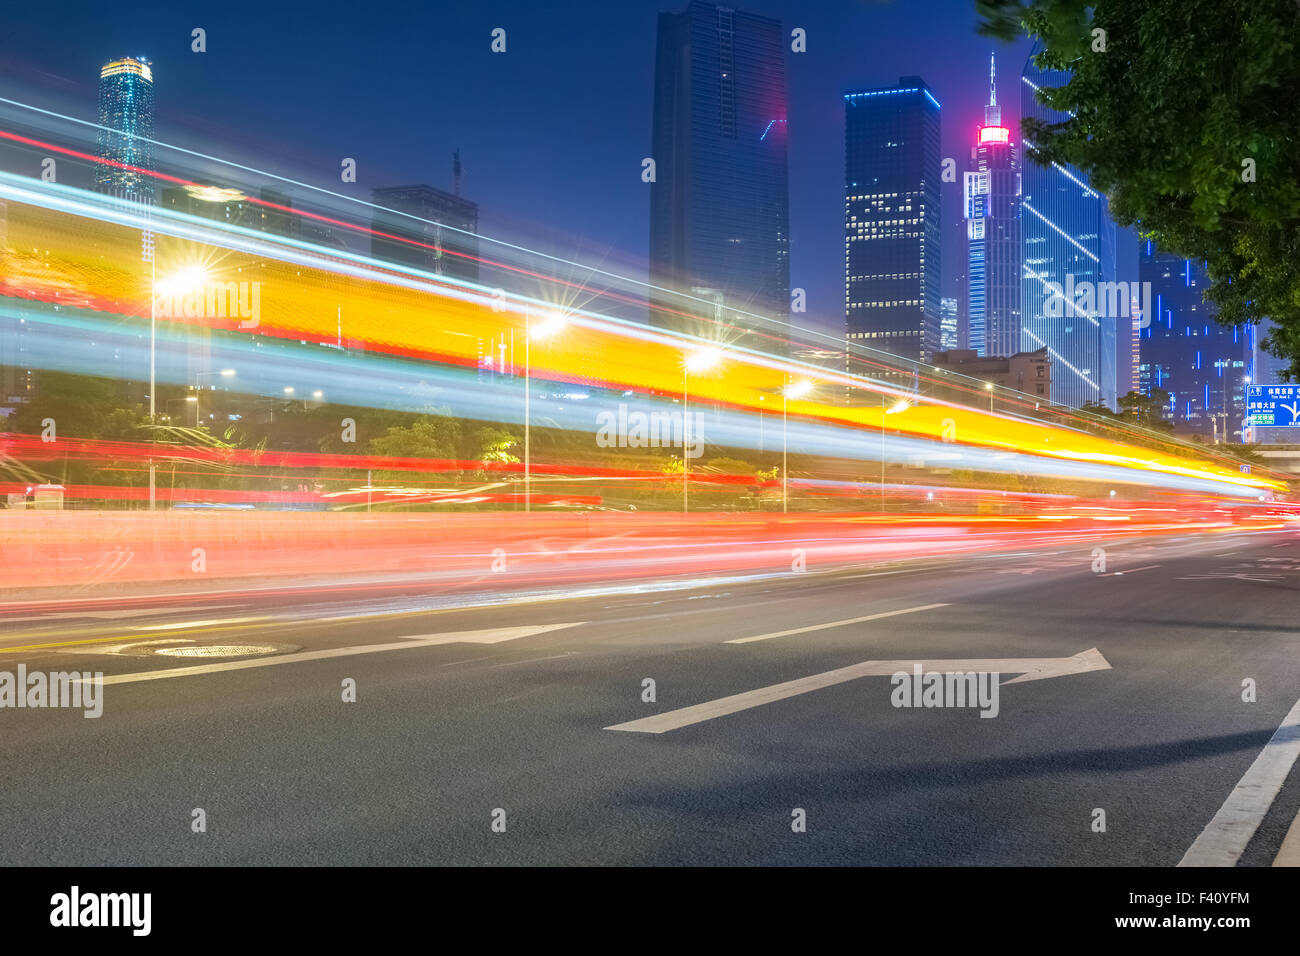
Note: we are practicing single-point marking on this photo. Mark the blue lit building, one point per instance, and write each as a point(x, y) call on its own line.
point(892, 219)
point(1204, 366)
point(992, 209)
point(1065, 232)
point(126, 115)
point(719, 204)
point(949, 333)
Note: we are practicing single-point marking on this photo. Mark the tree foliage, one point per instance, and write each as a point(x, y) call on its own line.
point(1184, 113)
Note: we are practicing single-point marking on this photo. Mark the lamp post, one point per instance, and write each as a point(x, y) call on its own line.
point(153, 329)
point(552, 325)
point(796, 390)
point(700, 361)
point(224, 373)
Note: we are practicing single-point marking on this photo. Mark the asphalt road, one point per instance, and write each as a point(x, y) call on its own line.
point(449, 727)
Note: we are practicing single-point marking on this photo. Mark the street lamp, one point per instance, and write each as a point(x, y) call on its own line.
point(181, 282)
point(224, 373)
point(699, 361)
point(989, 387)
point(795, 390)
point(548, 327)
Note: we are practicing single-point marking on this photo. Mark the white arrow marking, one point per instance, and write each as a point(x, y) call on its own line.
point(490, 636)
point(820, 627)
point(1030, 668)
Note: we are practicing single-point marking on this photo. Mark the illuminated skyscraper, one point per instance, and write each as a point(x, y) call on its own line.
point(719, 202)
point(992, 194)
point(1204, 366)
point(892, 166)
point(126, 118)
point(1065, 232)
point(948, 331)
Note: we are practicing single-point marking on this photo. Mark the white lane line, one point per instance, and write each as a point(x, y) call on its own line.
point(181, 625)
point(821, 627)
point(1146, 567)
point(1289, 853)
point(1034, 668)
point(1224, 838)
point(489, 636)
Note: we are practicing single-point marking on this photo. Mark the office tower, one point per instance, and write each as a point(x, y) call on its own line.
point(126, 121)
point(1066, 237)
point(891, 218)
point(719, 202)
point(440, 230)
point(948, 331)
point(992, 208)
point(1201, 364)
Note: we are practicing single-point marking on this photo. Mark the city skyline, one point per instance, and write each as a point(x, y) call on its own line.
point(531, 207)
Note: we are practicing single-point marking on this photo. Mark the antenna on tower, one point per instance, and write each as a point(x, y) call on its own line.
point(455, 170)
point(993, 112)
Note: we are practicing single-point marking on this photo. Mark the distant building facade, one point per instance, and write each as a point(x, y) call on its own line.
point(719, 200)
point(992, 208)
point(126, 101)
point(437, 231)
point(949, 332)
point(892, 224)
point(1204, 366)
point(1066, 232)
point(1028, 372)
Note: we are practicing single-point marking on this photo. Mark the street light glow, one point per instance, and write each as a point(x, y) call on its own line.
point(798, 389)
point(552, 324)
point(703, 359)
point(184, 281)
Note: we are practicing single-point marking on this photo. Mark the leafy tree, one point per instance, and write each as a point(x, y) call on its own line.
point(1146, 410)
point(1183, 112)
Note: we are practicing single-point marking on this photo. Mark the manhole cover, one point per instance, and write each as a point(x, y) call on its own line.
point(218, 650)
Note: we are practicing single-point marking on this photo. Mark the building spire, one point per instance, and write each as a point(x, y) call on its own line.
point(993, 112)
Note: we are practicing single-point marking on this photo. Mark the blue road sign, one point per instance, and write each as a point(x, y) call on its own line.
point(1273, 405)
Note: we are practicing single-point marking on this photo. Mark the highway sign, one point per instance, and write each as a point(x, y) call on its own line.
point(1273, 405)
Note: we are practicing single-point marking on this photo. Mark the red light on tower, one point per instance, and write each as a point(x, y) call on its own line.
point(994, 134)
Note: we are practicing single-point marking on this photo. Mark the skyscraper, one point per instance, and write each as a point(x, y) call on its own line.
point(992, 207)
point(1065, 232)
point(949, 334)
point(719, 202)
point(892, 227)
point(1201, 364)
point(126, 121)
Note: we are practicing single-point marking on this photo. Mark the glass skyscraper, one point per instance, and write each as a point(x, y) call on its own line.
point(126, 115)
point(719, 203)
point(892, 167)
point(1203, 366)
point(1065, 231)
point(992, 208)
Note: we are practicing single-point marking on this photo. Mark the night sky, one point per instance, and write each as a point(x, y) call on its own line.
point(551, 133)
